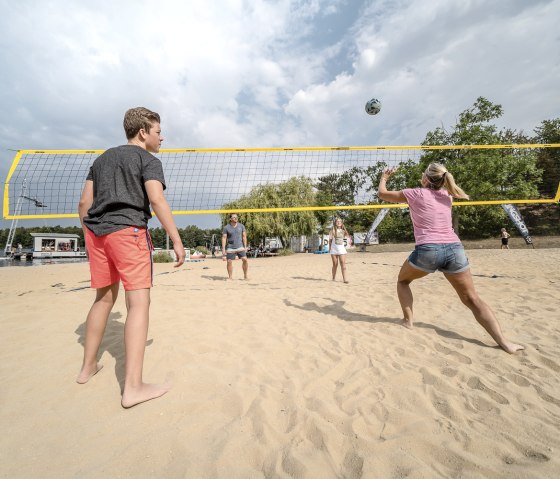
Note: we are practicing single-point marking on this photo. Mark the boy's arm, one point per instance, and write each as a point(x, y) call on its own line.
point(244, 239)
point(154, 188)
point(86, 200)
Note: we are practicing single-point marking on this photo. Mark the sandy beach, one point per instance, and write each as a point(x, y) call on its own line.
point(289, 374)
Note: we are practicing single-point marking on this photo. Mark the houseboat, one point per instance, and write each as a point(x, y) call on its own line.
point(57, 245)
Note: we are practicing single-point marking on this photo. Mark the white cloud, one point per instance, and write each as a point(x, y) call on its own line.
point(285, 73)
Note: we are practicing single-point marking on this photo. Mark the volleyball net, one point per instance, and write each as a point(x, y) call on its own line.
point(48, 183)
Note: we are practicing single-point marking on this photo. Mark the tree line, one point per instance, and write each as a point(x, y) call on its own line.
point(483, 174)
point(192, 236)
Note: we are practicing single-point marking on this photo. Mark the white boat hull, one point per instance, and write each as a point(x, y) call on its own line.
point(59, 254)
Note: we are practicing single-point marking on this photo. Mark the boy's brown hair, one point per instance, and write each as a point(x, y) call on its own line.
point(137, 118)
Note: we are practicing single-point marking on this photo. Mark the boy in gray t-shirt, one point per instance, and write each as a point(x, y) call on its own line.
point(114, 210)
point(235, 236)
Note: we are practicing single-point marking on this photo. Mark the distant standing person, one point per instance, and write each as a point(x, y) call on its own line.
point(337, 248)
point(505, 239)
point(438, 247)
point(234, 245)
point(122, 184)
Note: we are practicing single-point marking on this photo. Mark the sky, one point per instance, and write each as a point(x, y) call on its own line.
point(276, 73)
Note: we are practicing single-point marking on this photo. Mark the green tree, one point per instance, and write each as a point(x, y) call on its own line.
point(483, 174)
point(297, 191)
point(343, 189)
point(159, 238)
point(544, 219)
point(193, 236)
point(548, 159)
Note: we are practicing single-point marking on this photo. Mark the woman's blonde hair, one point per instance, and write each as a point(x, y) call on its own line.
point(438, 177)
point(333, 231)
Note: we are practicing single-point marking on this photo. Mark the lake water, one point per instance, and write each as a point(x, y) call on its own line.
point(38, 262)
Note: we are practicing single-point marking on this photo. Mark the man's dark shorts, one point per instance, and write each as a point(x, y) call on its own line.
point(236, 254)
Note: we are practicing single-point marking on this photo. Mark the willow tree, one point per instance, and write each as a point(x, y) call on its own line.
point(295, 192)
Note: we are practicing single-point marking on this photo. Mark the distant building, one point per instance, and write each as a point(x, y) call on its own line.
point(57, 245)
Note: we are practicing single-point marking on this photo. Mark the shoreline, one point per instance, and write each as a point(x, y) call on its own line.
point(539, 242)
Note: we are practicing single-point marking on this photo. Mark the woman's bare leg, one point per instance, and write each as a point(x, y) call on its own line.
point(464, 286)
point(343, 267)
point(407, 274)
point(334, 258)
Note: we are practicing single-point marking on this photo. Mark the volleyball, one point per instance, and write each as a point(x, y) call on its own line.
point(373, 106)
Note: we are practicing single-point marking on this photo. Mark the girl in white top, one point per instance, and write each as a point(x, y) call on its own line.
point(337, 249)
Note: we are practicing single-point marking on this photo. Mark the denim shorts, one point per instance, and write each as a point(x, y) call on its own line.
point(231, 255)
point(447, 258)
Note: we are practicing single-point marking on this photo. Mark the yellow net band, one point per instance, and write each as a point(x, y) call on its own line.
point(48, 183)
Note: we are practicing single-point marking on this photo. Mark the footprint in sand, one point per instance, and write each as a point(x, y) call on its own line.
point(536, 456)
point(476, 383)
point(449, 352)
point(449, 372)
point(550, 364)
point(546, 397)
point(519, 380)
point(353, 465)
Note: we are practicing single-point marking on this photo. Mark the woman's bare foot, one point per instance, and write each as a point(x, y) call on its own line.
point(87, 373)
point(512, 347)
point(144, 392)
point(407, 323)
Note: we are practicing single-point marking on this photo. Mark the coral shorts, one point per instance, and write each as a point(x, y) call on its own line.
point(125, 255)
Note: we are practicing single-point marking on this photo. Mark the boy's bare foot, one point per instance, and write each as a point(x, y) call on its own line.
point(87, 373)
point(407, 323)
point(512, 347)
point(144, 392)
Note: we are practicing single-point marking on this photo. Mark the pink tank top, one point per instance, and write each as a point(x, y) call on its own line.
point(430, 211)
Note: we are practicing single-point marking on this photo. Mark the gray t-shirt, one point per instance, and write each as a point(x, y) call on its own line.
point(120, 199)
point(234, 236)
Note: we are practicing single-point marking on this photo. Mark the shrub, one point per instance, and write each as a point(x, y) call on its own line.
point(203, 250)
point(162, 257)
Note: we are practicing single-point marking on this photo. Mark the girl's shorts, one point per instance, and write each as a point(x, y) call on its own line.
point(447, 258)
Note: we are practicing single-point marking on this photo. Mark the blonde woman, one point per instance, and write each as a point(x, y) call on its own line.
point(337, 248)
point(438, 247)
